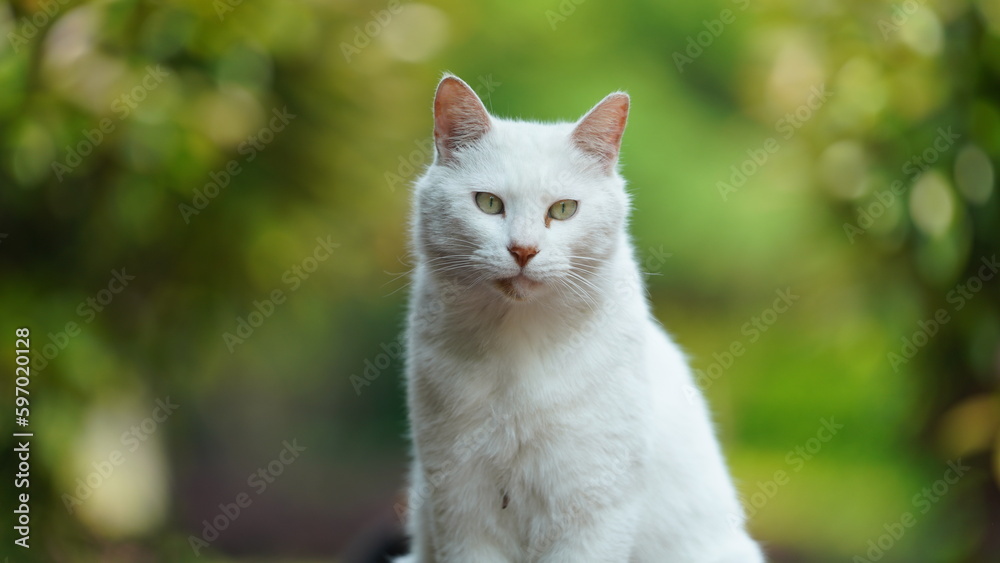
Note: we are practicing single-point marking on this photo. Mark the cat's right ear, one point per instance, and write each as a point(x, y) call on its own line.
point(460, 119)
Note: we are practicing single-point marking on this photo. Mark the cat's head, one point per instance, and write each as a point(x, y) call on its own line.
point(521, 209)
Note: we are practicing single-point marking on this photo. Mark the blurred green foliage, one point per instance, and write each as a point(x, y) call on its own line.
point(248, 164)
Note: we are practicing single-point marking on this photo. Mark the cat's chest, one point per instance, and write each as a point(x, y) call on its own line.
point(501, 416)
point(523, 389)
point(519, 422)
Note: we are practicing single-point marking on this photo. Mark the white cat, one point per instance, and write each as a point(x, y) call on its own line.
point(552, 418)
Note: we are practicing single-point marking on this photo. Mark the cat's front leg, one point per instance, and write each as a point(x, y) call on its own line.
point(443, 540)
point(458, 540)
point(455, 524)
point(472, 549)
point(588, 533)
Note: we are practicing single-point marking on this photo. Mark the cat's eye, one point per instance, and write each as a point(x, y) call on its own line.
point(489, 203)
point(563, 209)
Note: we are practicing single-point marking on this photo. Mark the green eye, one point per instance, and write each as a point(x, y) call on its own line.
point(489, 203)
point(563, 209)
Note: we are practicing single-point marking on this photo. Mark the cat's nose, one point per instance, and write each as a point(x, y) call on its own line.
point(522, 253)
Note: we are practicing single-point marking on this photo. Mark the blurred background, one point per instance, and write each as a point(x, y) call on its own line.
point(203, 210)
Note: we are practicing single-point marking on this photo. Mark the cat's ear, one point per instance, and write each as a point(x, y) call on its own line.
point(460, 119)
point(599, 133)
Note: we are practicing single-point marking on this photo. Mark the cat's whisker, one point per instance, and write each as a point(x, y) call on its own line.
point(400, 288)
point(445, 260)
point(595, 266)
point(598, 275)
point(563, 284)
point(582, 293)
point(448, 256)
point(452, 264)
point(453, 267)
point(461, 241)
point(561, 288)
point(592, 274)
point(591, 301)
point(448, 237)
point(593, 269)
point(591, 258)
point(397, 276)
point(600, 290)
point(587, 283)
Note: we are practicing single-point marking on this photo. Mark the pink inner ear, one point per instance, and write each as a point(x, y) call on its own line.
point(460, 118)
point(599, 133)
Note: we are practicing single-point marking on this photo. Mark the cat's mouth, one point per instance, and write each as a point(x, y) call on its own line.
point(517, 287)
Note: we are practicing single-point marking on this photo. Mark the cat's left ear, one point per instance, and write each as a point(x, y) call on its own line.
point(599, 133)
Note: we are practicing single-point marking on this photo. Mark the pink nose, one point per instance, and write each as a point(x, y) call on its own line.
point(522, 254)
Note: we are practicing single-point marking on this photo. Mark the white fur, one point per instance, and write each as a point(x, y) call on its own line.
point(571, 401)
